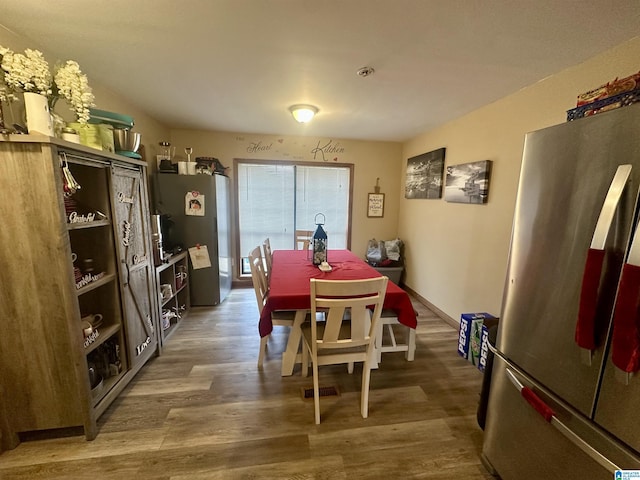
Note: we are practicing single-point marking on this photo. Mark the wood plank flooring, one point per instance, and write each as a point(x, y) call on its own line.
point(203, 410)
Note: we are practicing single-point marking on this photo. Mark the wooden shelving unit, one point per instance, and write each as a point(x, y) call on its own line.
point(66, 258)
point(172, 281)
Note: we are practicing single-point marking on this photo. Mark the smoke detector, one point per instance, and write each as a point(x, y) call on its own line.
point(365, 71)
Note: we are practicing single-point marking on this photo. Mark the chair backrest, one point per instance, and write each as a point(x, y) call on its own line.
point(303, 239)
point(268, 258)
point(258, 277)
point(346, 301)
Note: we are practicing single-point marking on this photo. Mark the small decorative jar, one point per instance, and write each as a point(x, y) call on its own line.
point(70, 135)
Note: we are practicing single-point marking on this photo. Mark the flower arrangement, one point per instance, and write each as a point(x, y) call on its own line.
point(29, 72)
point(73, 86)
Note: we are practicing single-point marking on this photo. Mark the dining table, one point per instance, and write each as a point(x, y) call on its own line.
point(289, 289)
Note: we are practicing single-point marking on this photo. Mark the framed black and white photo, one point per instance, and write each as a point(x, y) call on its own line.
point(468, 182)
point(424, 175)
point(375, 206)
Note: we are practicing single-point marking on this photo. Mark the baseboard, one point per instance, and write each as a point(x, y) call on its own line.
point(446, 318)
point(244, 282)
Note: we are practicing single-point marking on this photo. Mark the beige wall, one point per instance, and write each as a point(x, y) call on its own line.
point(371, 160)
point(152, 131)
point(457, 254)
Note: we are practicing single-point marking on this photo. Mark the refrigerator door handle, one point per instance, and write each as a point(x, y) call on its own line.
point(550, 417)
point(586, 325)
point(625, 343)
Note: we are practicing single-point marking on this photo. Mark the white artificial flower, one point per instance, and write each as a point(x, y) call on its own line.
point(74, 87)
point(28, 72)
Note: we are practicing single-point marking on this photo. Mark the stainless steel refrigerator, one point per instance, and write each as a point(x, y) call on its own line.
point(207, 225)
point(563, 402)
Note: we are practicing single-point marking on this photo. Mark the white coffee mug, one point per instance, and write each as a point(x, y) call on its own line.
point(191, 168)
point(95, 319)
point(182, 168)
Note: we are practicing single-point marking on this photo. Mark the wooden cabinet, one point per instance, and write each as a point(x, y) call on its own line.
point(172, 280)
point(78, 304)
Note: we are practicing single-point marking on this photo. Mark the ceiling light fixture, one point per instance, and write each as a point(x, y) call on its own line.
point(303, 113)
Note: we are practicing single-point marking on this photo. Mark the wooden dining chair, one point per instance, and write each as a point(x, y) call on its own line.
point(303, 239)
point(388, 319)
point(342, 337)
point(268, 257)
point(261, 287)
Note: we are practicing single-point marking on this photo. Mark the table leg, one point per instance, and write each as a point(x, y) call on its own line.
point(293, 344)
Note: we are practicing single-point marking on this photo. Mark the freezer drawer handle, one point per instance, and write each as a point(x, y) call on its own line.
point(550, 417)
point(537, 403)
point(585, 334)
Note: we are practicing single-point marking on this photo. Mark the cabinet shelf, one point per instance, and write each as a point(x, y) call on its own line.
point(174, 273)
point(104, 335)
point(94, 224)
point(107, 385)
point(107, 278)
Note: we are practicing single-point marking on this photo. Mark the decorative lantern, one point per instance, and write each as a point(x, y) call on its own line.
point(319, 242)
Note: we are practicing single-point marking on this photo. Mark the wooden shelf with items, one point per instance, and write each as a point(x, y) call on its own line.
point(172, 280)
point(78, 338)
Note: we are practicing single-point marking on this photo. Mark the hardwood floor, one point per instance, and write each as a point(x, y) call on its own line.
point(203, 410)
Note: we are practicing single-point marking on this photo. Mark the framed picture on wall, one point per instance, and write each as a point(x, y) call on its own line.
point(424, 175)
point(468, 182)
point(375, 206)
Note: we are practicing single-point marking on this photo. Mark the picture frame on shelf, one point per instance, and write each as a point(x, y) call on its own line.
point(375, 205)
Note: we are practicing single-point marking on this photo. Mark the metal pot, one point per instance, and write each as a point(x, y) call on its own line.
point(125, 140)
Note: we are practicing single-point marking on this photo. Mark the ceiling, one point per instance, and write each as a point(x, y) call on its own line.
point(237, 65)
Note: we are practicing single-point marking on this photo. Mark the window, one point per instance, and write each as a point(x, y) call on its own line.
point(275, 199)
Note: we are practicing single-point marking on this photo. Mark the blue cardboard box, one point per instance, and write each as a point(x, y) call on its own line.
point(484, 342)
point(470, 336)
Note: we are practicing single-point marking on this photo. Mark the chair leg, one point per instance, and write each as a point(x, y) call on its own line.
point(305, 359)
point(364, 396)
point(263, 348)
point(411, 341)
point(378, 341)
point(316, 390)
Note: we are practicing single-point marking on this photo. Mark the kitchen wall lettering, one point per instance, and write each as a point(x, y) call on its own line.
point(327, 150)
point(255, 147)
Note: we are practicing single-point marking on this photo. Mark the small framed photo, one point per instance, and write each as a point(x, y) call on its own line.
point(375, 207)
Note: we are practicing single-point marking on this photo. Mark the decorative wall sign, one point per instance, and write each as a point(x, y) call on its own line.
point(468, 182)
point(424, 175)
point(194, 204)
point(375, 207)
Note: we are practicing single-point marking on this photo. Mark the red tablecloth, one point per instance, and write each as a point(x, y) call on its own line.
point(289, 284)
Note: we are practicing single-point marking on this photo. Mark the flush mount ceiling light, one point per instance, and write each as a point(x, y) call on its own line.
point(303, 113)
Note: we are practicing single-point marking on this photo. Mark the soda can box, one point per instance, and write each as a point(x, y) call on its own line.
point(470, 335)
point(484, 342)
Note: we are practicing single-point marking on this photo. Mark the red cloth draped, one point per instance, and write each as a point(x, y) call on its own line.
point(289, 284)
